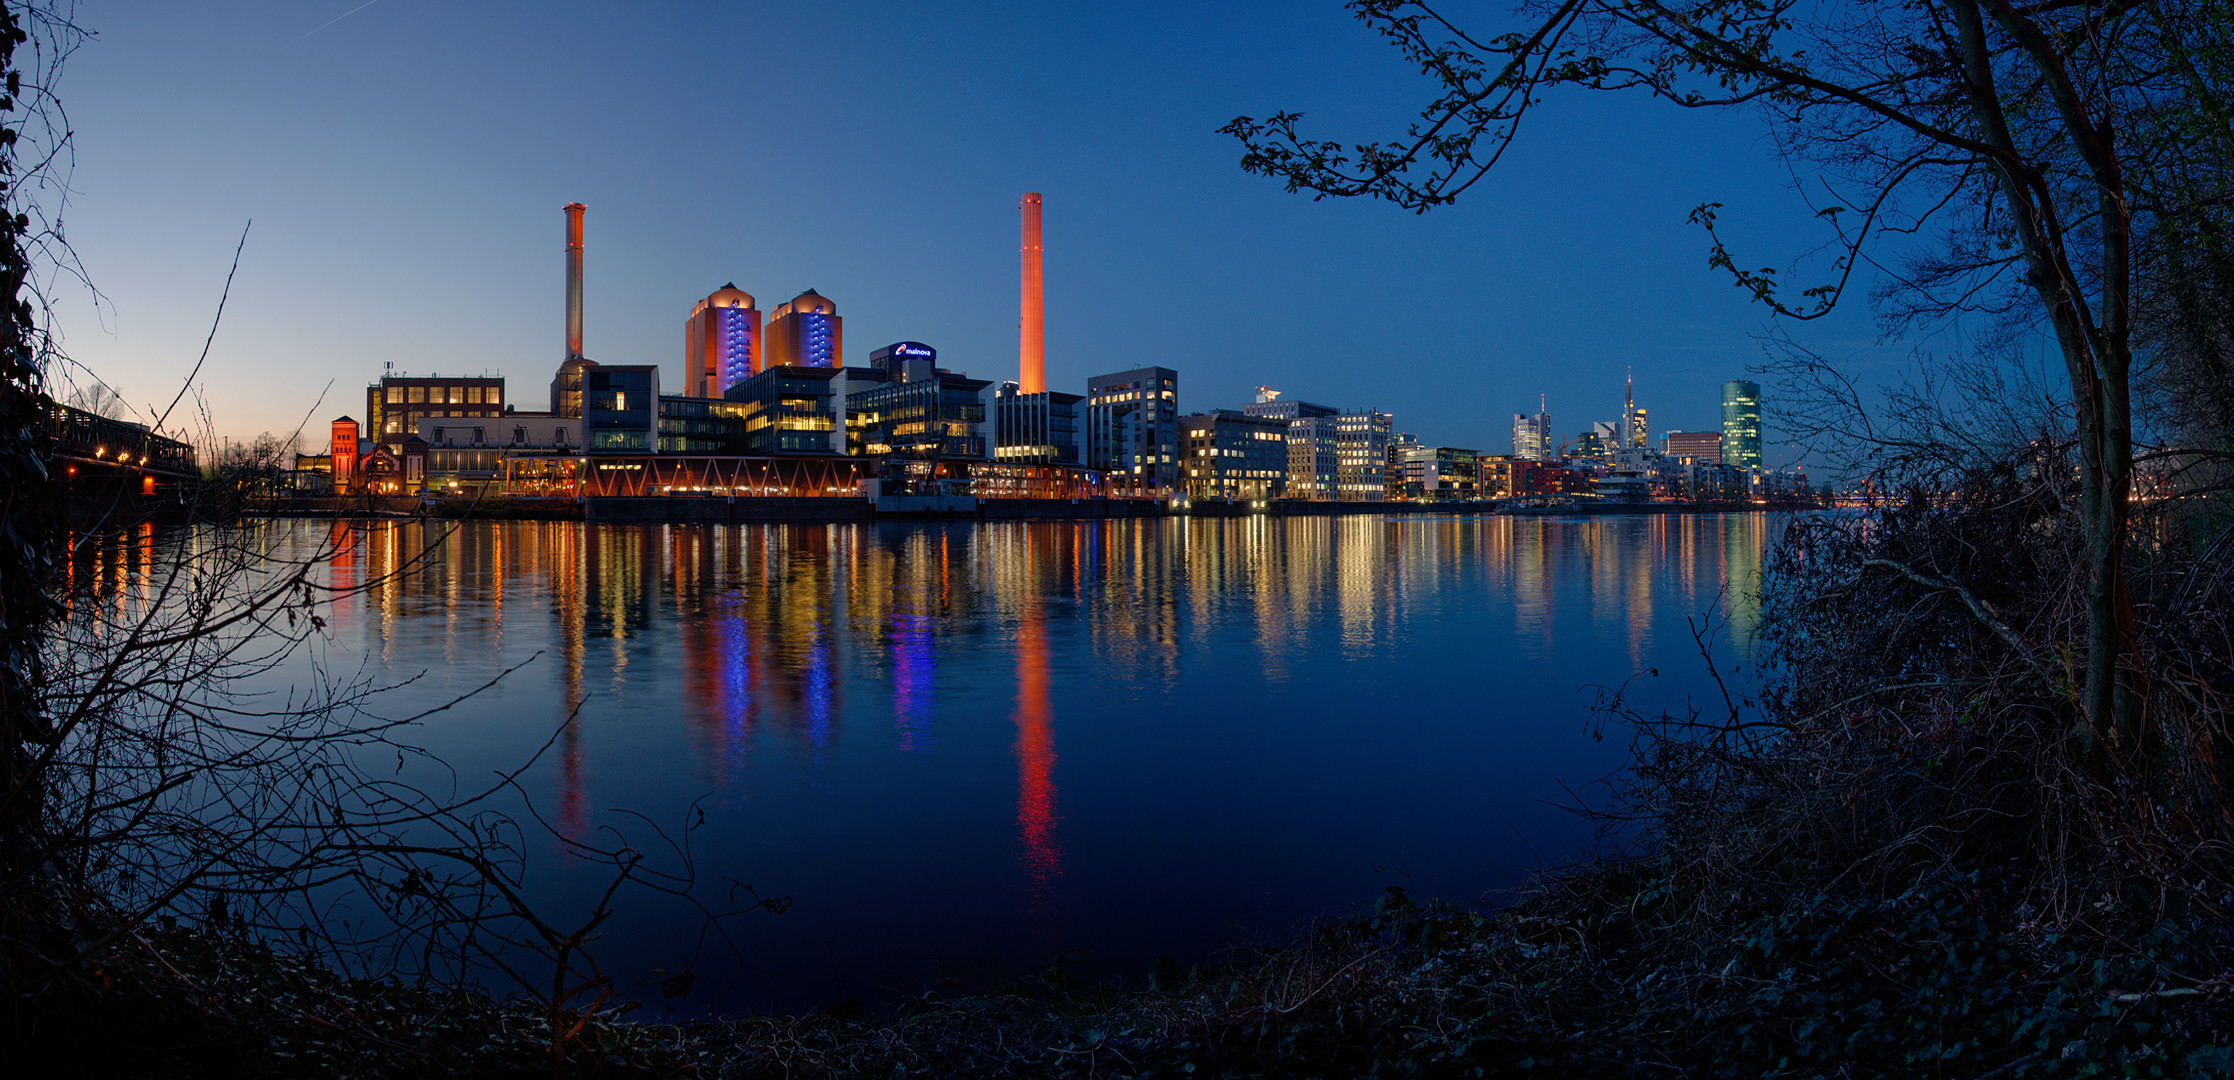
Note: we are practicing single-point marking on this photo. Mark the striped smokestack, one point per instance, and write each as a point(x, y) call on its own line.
point(574, 280)
point(1031, 330)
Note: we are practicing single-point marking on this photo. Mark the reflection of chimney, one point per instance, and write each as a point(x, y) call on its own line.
point(574, 280)
point(1031, 331)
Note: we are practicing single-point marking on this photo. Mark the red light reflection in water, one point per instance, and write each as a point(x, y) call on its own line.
point(1035, 757)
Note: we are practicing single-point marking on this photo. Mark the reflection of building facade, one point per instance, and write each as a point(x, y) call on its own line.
point(1132, 426)
point(721, 342)
point(805, 331)
point(1741, 423)
point(1232, 455)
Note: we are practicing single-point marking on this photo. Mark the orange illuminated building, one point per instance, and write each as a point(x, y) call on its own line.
point(721, 342)
point(343, 454)
point(804, 331)
point(1031, 327)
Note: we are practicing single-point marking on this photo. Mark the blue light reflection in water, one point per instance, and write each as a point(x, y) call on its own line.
point(963, 747)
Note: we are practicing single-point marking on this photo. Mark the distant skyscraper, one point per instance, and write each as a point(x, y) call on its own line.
point(805, 331)
point(721, 342)
point(1532, 435)
point(1640, 430)
point(1741, 424)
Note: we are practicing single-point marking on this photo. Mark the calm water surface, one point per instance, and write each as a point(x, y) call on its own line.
point(965, 748)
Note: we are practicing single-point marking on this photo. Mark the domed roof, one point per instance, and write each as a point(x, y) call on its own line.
point(730, 296)
point(809, 301)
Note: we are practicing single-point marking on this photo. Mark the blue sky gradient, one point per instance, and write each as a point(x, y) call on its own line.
point(405, 165)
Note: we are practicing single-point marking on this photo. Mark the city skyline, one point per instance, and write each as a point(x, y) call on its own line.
point(421, 209)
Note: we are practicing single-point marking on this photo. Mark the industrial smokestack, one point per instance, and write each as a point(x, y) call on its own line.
point(574, 280)
point(1031, 329)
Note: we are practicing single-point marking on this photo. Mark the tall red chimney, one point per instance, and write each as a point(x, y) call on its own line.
point(574, 280)
point(1031, 329)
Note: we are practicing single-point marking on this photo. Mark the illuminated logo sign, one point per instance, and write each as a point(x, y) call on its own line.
point(912, 349)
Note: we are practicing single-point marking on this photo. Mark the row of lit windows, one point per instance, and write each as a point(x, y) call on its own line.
point(445, 395)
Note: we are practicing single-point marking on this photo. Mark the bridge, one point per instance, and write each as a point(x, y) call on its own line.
point(84, 446)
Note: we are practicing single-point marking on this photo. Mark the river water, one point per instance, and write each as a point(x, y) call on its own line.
point(963, 749)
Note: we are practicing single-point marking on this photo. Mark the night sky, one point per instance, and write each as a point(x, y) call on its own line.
point(404, 162)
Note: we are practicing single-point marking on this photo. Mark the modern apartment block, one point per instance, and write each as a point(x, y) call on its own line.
point(1132, 427)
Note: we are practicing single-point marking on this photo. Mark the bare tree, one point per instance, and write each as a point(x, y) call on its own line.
point(2006, 129)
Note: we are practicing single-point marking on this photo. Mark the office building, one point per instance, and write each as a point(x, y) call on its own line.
point(1268, 404)
point(805, 331)
point(1034, 429)
point(1441, 474)
point(1132, 427)
point(794, 410)
point(919, 411)
point(903, 360)
point(1639, 434)
point(620, 408)
point(1361, 448)
point(696, 425)
point(1232, 455)
point(1400, 447)
point(1741, 424)
point(1696, 447)
point(1532, 436)
point(721, 342)
point(1314, 459)
point(395, 405)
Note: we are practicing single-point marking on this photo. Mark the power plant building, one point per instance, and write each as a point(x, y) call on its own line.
point(721, 342)
point(805, 331)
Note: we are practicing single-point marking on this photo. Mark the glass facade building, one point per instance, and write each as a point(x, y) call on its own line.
point(1741, 424)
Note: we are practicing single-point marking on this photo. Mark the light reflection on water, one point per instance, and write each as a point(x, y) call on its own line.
point(963, 747)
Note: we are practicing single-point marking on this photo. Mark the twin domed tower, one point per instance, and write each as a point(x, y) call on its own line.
point(722, 339)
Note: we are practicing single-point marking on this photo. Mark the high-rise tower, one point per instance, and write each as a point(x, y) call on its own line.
point(721, 342)
point(1031, 329)
point(1741, 423)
